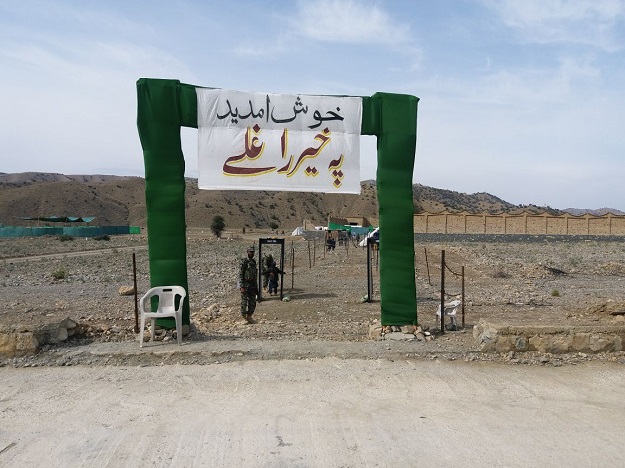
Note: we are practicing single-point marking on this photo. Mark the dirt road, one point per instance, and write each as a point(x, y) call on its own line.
point(319, 412)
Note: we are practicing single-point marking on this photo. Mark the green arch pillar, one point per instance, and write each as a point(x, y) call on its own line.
point(393, 119)
point(159, 124)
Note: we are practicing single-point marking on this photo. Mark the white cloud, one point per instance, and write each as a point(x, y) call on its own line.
point(586, 22)
point(348, 21)
point(533, 135)
point(77, 101)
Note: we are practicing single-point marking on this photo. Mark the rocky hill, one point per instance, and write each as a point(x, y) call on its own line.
point(120, 200)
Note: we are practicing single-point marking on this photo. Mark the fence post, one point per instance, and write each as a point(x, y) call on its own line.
point(443, 292)
point(463, 297)
point(292, 265)
point(134, 279)
point(427, 265)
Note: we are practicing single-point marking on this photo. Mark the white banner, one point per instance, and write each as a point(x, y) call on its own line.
point(278, 142)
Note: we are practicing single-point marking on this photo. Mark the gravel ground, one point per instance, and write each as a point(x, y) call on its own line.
point(519, 281)
point(313, 413)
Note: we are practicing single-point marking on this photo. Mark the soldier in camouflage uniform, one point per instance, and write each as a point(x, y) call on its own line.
point(266, 265)
point(248, 284)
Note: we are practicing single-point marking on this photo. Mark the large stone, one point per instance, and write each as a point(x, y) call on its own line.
point(375, 332)
point(555, 344)
point(580, 342)
point(22, 340)
point(600, 343)
point(56, 332)
point(507, 343)
point(62, 334)
point(399, 336)
point(520, 343)
point(536, 343)
point(18, 344)
point(486, 335)
point(504, 344)
point(127, 291)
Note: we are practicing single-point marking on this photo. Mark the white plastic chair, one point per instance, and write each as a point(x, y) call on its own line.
point(451, 309)
point(166, 308)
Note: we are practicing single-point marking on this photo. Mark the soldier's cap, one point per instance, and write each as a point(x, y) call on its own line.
point(251, 248)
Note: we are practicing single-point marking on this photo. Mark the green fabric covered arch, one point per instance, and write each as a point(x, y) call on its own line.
point(166, 105)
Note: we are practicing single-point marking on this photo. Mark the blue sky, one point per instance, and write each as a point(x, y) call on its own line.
point(521, 99)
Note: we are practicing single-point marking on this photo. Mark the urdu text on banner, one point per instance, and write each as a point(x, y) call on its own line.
point(278, 142)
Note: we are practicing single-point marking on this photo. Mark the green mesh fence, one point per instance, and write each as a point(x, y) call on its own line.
point(86, 231)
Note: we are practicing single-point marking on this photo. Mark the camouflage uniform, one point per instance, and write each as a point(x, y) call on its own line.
point(266, 264)
point(248, 279)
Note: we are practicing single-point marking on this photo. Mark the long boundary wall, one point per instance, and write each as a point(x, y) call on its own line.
point(526, 223)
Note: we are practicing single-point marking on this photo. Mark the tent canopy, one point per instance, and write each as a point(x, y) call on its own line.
point(351, 229)
point(60, 219)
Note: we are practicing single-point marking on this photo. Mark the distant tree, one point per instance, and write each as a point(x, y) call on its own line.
point(218, 225)
point(273, 225)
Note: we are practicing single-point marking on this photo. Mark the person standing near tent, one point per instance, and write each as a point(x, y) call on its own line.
point(248, 271)
point(267, 262)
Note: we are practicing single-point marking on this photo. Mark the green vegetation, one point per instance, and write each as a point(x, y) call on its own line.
point(218, 225)
point(59, 274)
point(65, 237)
point(501, 274)
point(555, 293)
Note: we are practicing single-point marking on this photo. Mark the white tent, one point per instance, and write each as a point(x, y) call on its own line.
point(299, 231)
point(363, 243)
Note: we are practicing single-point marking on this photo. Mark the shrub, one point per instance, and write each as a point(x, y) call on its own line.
point(501, 274)
point(104, 237)
point(555, 293)
point(218, 225)
point(59, 274)
point(65, 237)
point(273, 225)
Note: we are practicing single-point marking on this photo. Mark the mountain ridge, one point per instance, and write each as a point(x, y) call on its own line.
point(120, 200)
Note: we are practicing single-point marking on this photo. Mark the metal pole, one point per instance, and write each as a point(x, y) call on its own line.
point(292, 265)
point(292, 246)
point(443, 292)
point(314, 250)
point(377, 256)
point(369, 273)
point(463, 296)
point(427, 265)
point(309, 259)
point(259, 273)
point(134, 276)
point(282, 267)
